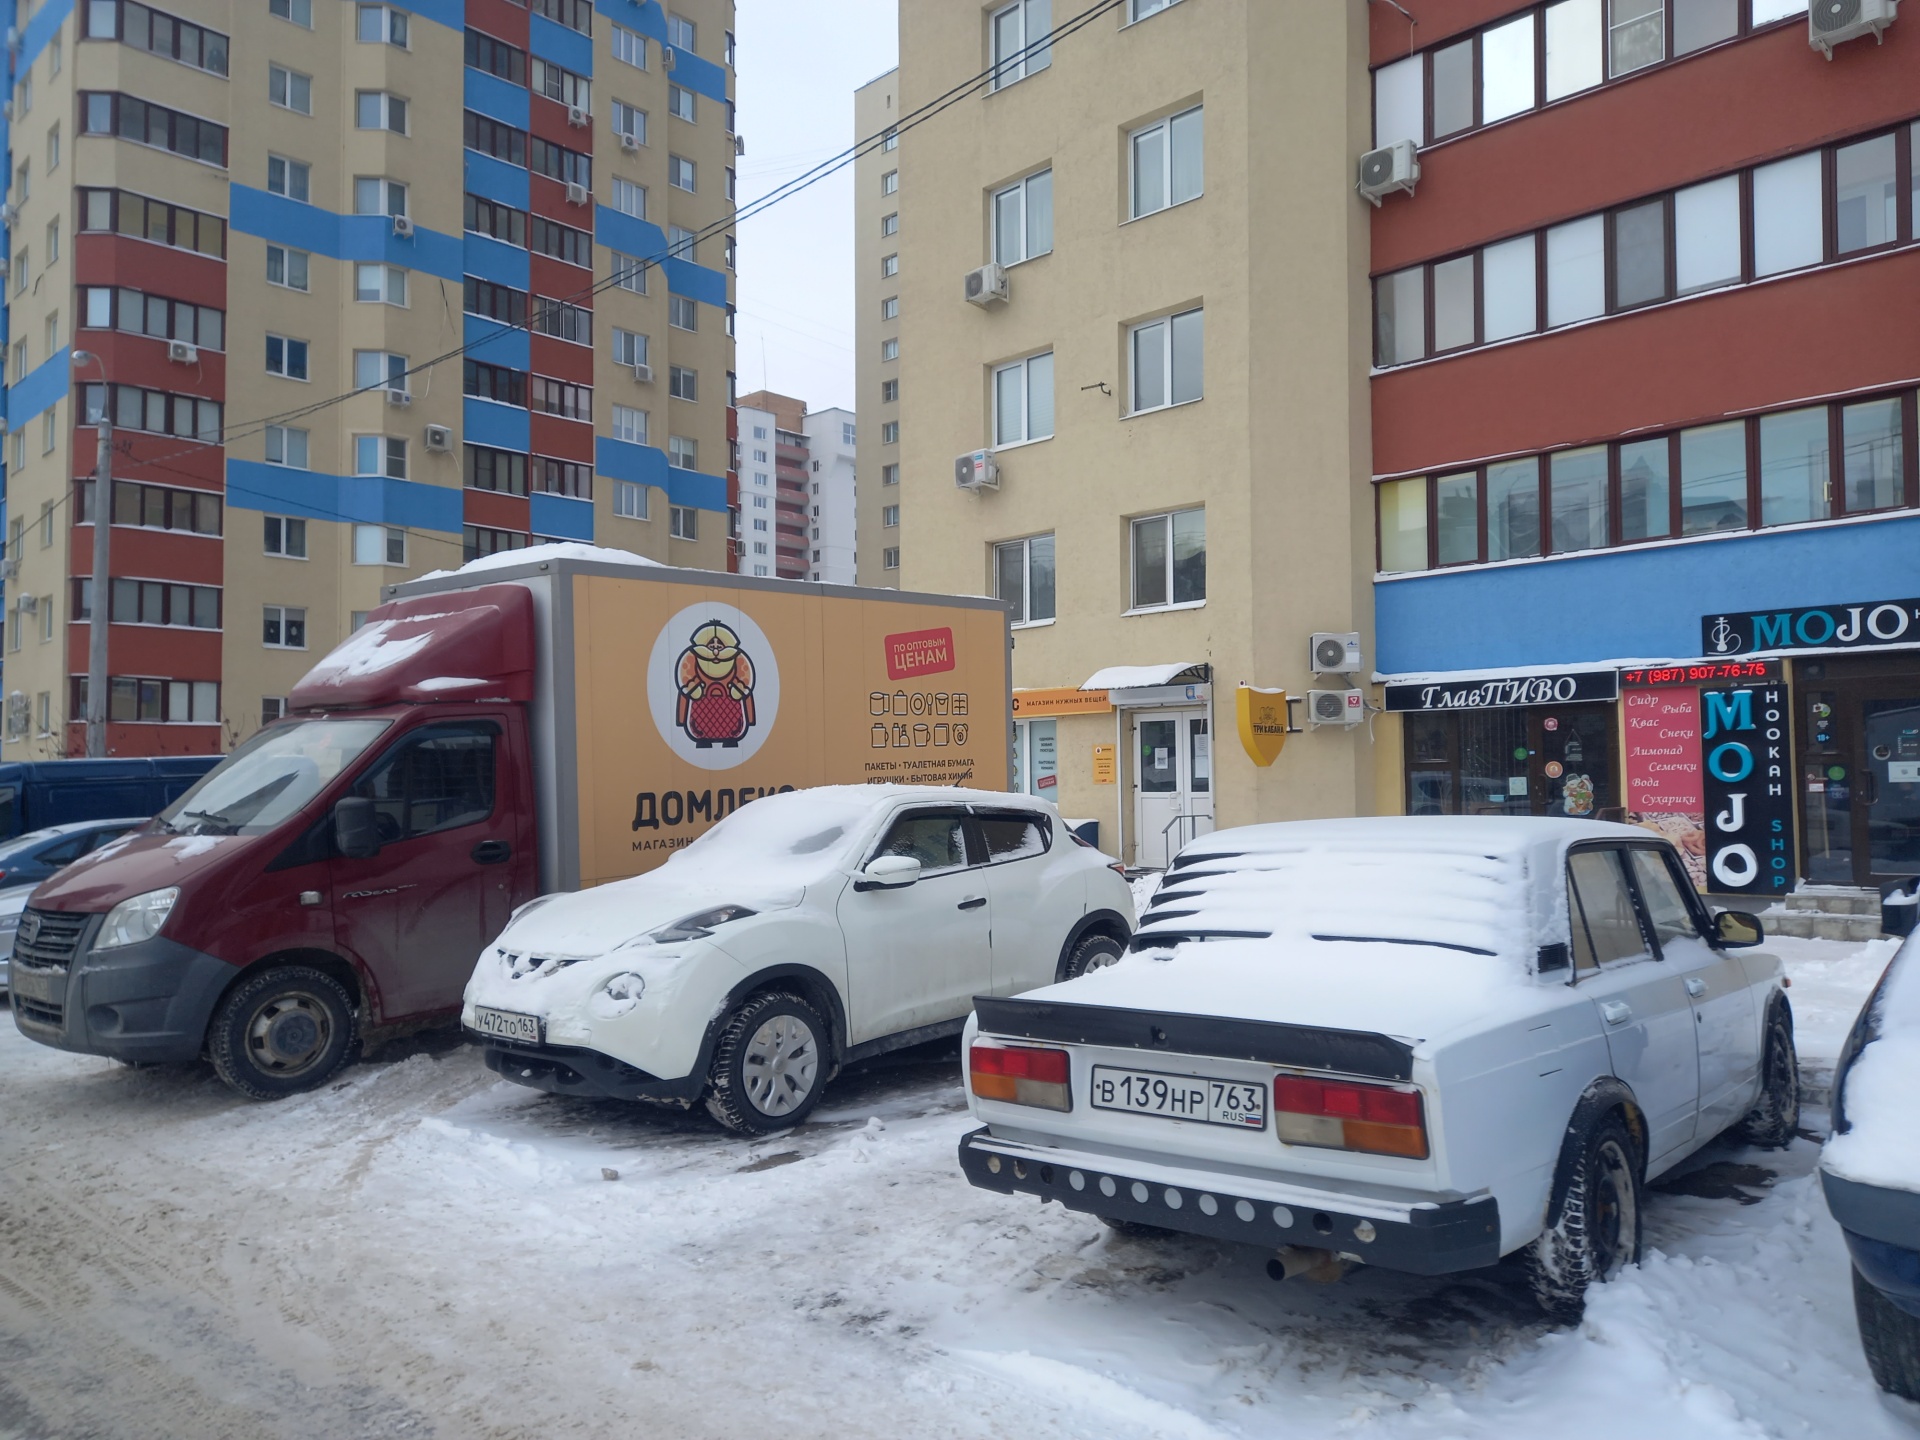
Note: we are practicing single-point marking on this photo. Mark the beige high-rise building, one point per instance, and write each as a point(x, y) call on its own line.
point(876, 329)
point(1172, 397)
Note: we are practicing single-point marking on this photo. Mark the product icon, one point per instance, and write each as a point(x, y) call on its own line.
point(716, 688)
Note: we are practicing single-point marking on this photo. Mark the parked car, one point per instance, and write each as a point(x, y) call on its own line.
point(1420, 1043)
point(1871, 1171)
point(31, 858)
point(807, 930)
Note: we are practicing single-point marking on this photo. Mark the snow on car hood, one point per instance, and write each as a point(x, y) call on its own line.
point(1881, 1145)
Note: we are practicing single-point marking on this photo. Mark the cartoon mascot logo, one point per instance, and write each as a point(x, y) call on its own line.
point(715, 678)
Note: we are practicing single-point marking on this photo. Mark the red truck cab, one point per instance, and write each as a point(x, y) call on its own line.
point(333, 878)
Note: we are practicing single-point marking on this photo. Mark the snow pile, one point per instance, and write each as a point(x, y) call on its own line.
point(1882, 1142)
point(186, 847)
point(371, 649)
point(535, 554)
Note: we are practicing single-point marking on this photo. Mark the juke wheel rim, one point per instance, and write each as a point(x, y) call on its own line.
point(289, 1034)
point(780, 1065)
point(1612, 1221)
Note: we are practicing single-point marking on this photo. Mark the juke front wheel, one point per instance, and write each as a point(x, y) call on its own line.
point(769, 1065)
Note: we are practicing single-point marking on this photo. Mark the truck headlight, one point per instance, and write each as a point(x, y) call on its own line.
point(140, 918)
point(617, 996)
point(699, 925)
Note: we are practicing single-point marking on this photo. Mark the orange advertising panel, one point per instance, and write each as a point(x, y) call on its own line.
point(693, 699)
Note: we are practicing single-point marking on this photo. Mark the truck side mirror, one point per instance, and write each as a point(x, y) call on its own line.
point(889, 872)
point(353, 830)
point(1737, 930)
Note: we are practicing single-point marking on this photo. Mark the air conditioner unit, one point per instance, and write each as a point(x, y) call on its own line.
point(399, 398)
point(11, 214)
point(1334, 654)
point(667, 62)
point(1336, 707)
point(439, 439)
point(988, 284)
point(578, 118)
point(643, 372)
point(576, 193)
point(976, 471)
point(10, 569)
point(739, 145)
point(181, 353)
point(1834, 22)
point(1390, 168)
point(629, 143)
point(29, 604)
point(403, 227)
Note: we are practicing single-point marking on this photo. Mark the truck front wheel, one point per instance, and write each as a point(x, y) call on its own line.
point(282, 1031)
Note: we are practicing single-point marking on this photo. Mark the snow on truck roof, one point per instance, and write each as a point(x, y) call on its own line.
point(557, 550)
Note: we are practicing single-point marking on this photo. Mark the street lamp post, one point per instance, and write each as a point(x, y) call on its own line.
point(102, 610)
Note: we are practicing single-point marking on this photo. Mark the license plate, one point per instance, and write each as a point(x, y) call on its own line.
point(507, 1024)
point(1181, 1097)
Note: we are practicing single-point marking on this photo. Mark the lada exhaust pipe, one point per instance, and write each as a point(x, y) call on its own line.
point(1303, 1262)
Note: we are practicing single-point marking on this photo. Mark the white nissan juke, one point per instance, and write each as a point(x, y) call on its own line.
point(806, 930)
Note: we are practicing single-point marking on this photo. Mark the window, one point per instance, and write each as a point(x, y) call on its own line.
point(286, 358)
point(1866, 195)
point(629, 48)
point(561, 397)
point(500, 470)
point(680, 103)
point(680, 173)
point(1605, 927)
point(628, 272)
point(556, 162)
point(290, 178)
point(683, 522)
point(561, 242)
point(683, 312)
point(1400, 316)
point(380, 455)
point(1577, 499)
point(630, 424)
point(890, 432)
point(496, 57)
point(890, 138)
point(1706, 235)
point(494, 382)
point(890, 349)
point(1796, 471)
point(1639, 250)
point(563, 321)
point(890, 558)
point(1023, 400)
point(1513, 509)
point(488, 217)
point(300, 12)
point(1576, 271)
point(1141, 9)
point(571, 90)
point(1170, 560)
point(131, 118)
point(889, 266)
point(478, 540)
point(889, 474)
point(288, 268)
point(290, 90)
point(1022, 575)
point(630, 199)
point(1167, 161)
point(380, 284)
point(1017, 39)
point(1509, 303)
point(683, 383)
point(377, 110)
point(683, 453)
point(158, 602)
point(53, 149)
point(1022, 220)
point(154, 31)
point(890, 308)
point(629, 347)
point(1646, 492)
point(889, 517)
point(1167, 361)
point(496, 302)
point(379, 545)
point(631, 121)
point(574, 14)
point(377, 195)
point(1713, 478)
point(890, 224)
point(680, 31)
point(1874, 447)
point(440, 777)
point(379, 369)
point(274, 707)
point(889, 391)
point(890, 183)
point(46, 525)
point(1787, 215)
point(154, 507)
point(286, 446)
point(1453, 307)
point(848, 436)
point(490, 137)
point(49, 429)
point(382, 25)
point(284, 627)
point(630, 500)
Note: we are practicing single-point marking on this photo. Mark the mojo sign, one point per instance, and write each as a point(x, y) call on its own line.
point(1813, 627)
point(1743, 746)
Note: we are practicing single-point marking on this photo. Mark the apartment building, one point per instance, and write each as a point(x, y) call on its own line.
point(346, 330)
point(1172, 399)
point(833, 465)
point(1644, 427)
point(796, 489)
point(876, 327)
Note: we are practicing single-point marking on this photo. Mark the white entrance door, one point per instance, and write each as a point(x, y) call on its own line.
point(1172, 783)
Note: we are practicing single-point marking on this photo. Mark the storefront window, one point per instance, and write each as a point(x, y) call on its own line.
point(1036, 758)
point(1531, 761)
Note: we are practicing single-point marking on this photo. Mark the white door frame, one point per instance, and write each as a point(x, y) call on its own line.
point(1157, 839)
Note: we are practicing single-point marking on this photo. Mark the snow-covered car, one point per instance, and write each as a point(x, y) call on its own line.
point(1870, 1171)
point(1419, 1043)
point(806, 930)
point(28, 859)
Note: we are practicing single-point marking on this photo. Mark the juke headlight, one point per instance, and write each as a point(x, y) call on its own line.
point(697, 926)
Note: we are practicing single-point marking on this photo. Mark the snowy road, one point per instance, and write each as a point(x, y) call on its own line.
point(420, 1251)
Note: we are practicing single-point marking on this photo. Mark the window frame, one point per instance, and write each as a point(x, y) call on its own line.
point(1167, 518)
point(1029, 57)
point(1023, 367)
point(1167, 353)
point(1022, 188)
point(1164, 127)
point(1025, 617)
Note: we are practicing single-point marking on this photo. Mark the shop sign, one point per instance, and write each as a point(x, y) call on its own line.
point(1105, 766)
point(1660, 757)
point(1743, 744)
point(1262, 719)
point(1817, 627)
point(1495, 693)
point(1703, 672)
point(1029, 704)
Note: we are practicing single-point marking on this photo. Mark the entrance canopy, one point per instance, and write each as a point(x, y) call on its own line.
point(1137, 677)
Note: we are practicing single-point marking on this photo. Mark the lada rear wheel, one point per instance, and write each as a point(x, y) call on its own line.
point(769, 1065)
point(283, 1031)
point(1594, 1232)
point(1891, 1339)
point(1775, 1118)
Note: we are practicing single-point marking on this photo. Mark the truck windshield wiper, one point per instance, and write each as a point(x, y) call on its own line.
point(215, 823)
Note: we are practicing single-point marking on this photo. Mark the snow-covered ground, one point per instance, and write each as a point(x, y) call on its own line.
point(420, 1251)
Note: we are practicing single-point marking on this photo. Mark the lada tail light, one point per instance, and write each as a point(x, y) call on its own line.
point(1343, 1115)
point(1021, 1074)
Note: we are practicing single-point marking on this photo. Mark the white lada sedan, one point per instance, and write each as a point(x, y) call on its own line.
point(1417, 1043)
point(804, 931)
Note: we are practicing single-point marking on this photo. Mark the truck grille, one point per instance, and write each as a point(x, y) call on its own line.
point(48, 938)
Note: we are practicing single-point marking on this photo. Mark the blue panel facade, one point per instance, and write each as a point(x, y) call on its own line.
point(504, 427)
point(647, 17)
point(494, 179)
point(341, 237)
point(560, 516)
point(495, 344)
point(358, 499)
point(566, 48)
point(498, 99)
point(495, 260)
point(451, 13)
point(45, 384)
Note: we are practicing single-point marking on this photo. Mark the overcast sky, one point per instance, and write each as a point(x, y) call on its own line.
point(799, 62)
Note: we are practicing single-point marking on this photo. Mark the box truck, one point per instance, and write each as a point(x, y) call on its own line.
point(546, 720)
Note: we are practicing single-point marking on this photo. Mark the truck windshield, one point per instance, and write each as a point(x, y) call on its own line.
point(270, 777)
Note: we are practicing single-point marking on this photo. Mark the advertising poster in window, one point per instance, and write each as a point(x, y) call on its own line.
point(1662, 764)
point(1746, 780)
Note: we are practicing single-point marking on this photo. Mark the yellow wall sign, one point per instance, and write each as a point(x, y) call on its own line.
point(1105, 768)
point(1262, 715)
point(1027, 704)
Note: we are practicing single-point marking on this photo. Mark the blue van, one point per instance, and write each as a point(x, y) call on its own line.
point(35, 794)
